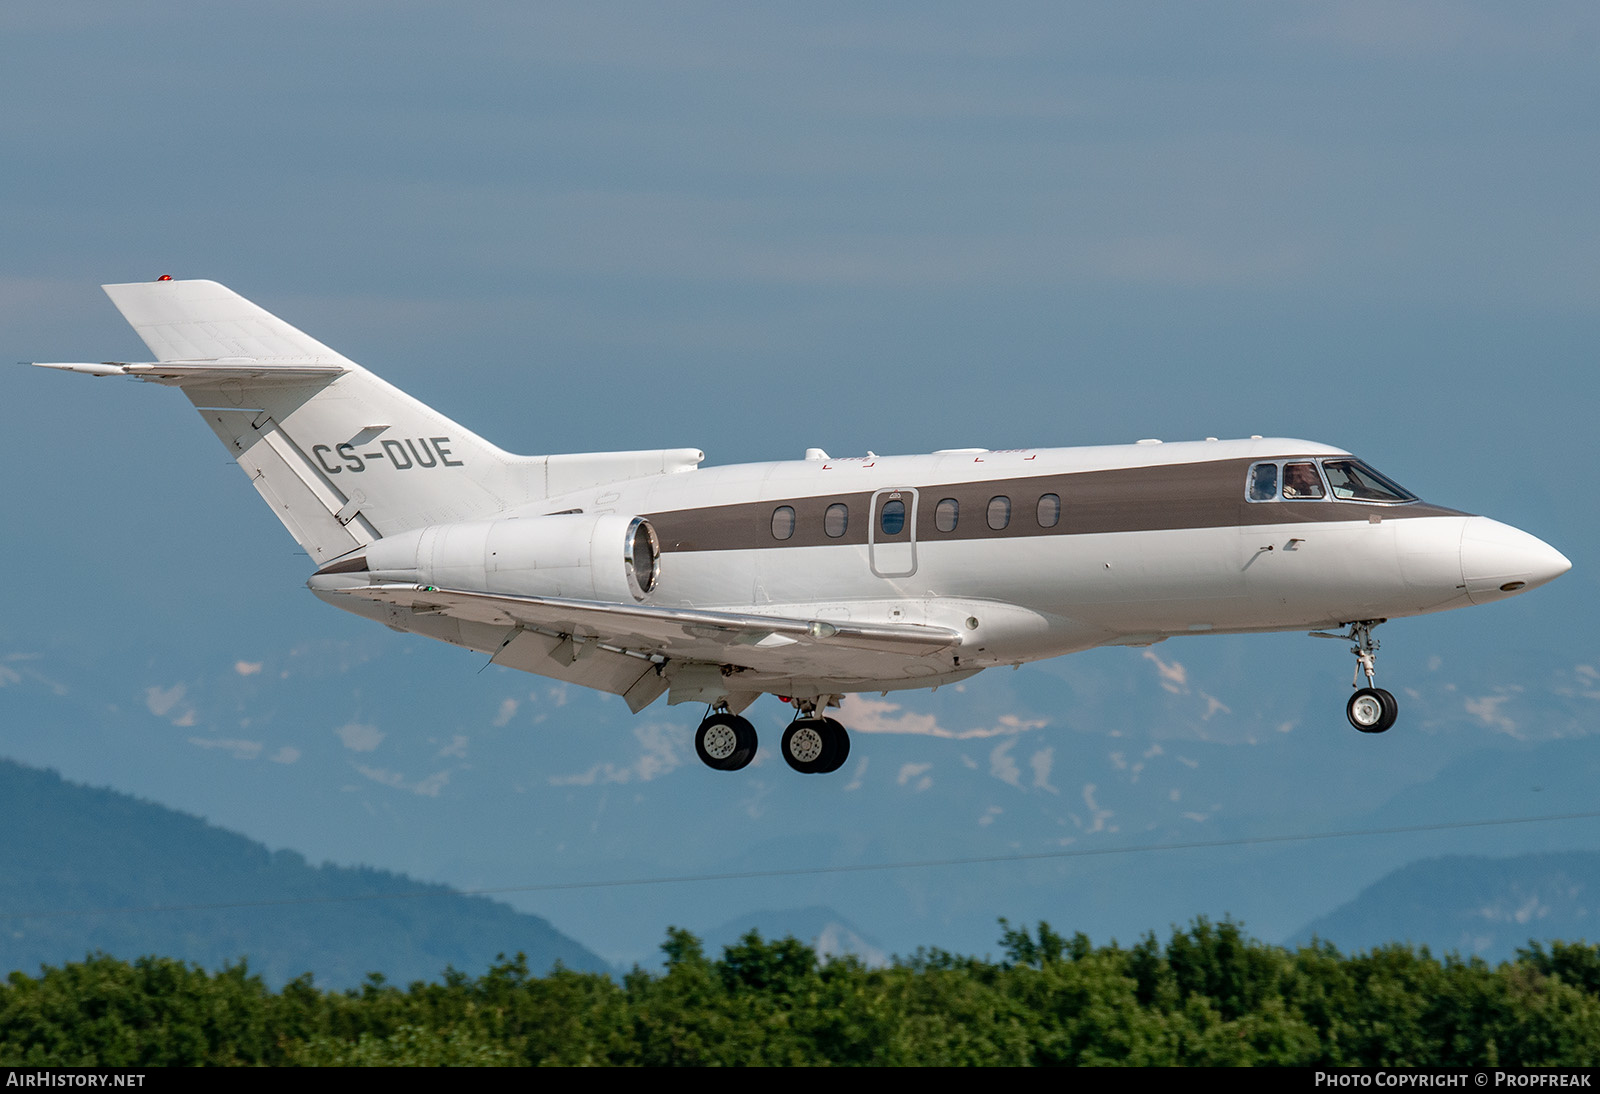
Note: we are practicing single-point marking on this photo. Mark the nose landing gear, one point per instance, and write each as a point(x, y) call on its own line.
point(1371, 709)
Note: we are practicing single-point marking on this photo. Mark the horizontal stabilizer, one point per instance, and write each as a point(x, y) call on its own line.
point(205, 372)
point(88, 368)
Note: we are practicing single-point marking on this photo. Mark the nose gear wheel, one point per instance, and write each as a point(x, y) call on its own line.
point(1372, 710)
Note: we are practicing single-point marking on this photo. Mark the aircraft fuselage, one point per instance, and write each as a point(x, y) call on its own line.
point(1027, 553)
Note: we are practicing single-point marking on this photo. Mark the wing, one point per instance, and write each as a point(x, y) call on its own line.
point(639, 652)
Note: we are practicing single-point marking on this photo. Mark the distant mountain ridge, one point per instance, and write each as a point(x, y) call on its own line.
point(1472, 905)
point(80, 868)
point(822, 928)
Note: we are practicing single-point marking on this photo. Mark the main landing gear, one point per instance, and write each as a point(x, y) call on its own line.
point(815, 746)
point(812, 744)
point(725, 742)
point(1371, 709)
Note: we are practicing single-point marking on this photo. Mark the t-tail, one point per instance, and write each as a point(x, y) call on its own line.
point(342, 457)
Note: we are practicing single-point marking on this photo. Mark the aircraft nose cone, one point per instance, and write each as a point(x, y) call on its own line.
point(1498, 560)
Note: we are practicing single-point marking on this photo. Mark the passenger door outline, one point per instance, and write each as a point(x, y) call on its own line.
point(896, 555)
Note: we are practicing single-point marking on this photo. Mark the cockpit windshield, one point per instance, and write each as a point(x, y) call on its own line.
point(1302, 479)
point(1353, 480)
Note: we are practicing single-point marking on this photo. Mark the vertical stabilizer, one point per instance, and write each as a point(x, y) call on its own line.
point(341, 456)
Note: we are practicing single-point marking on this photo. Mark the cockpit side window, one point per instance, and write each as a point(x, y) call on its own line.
point(1301, 481)
point(1353, 480)
point(1264, 482)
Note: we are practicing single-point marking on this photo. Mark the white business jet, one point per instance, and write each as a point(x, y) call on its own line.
point(643, 574)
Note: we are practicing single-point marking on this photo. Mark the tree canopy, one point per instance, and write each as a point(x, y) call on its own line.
point(1209, 994)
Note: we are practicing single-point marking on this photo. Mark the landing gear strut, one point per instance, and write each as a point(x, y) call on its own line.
point(724, 741)
point(1371, 709)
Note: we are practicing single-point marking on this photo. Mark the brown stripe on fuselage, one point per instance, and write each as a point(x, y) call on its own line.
point(1124, 499)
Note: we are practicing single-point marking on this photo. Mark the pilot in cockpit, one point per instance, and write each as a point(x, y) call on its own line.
point(1300, 480)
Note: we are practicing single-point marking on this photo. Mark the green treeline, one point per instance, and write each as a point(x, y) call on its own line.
point(1209, 995)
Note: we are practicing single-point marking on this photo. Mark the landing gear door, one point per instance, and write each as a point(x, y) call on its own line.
point(892, 533)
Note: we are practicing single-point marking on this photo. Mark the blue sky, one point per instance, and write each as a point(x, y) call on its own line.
point(754, 229)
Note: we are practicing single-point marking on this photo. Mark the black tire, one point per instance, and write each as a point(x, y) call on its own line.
point(725, 742)
point(1391, 705)
point(838, 746)
point(1372, 710)
point(805, 746)
point(747, 745)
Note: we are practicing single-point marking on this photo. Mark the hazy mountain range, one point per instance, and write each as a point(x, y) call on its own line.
point(89, 869)
point(1473, 905)
point(84, 869)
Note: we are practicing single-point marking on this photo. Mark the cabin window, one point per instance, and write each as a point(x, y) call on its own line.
point(1264, 482)
point(1049, 511)
point(783, 522)
point(1353, 480)
point(945, 514)
point(1300, 481)
point(999, 512)
point(836, 519)
point(892, 517)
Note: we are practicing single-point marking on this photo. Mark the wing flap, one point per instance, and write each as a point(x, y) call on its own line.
point(633, 678)
point(747, 639)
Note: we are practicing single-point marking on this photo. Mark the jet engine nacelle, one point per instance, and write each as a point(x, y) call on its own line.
point(580, 556)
